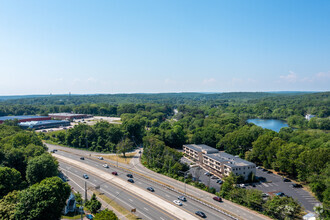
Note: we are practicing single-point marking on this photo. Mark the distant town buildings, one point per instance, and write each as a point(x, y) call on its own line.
point(219, 161)
point(309, 116)
point(68, 116)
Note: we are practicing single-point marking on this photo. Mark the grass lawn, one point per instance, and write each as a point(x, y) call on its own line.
point(120, 158)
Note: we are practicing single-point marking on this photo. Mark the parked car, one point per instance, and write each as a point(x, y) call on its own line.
point(208, 174)
point(52, 151)
point(217, 198)
point(269, 171)
point(219, 181)
point(114, 173)
point(82, 158)
point(177, 202)
point(129, 175)
point(151, 189)
point(261, 178)
point(286, 180)
point(253, 185)
point(280, 194)
point(55, 150)
point(214, 177)
point(264, 170)
point(296, 185)
point(200, 214)
point(182, 198)
point(105, 165)
point(130, 180)
point(242, 185)
point(85, 176)
point(89, 216)
point(265, 195)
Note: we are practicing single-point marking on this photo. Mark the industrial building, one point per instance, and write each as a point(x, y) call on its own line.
point(24, 118)
point(218, 161)
point(68, 116)
point(44, 124)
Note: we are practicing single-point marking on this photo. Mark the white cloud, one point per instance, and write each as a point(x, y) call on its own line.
point(292, 77)
point(323, 75)
point(209, 81)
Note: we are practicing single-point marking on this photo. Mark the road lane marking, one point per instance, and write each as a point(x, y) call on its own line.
point(130, 200)
point(146, 208)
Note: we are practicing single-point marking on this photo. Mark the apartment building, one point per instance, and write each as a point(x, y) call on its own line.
point(218, 161)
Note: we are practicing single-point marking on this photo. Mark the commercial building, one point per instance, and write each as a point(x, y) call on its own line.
point(44, 124)
point(309, 117)
point(24, 118)
point(219, 162)
point(68, 116)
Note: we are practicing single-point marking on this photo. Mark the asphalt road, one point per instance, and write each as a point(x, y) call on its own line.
point(189, 206)
point(203, 196)
point(144, 209)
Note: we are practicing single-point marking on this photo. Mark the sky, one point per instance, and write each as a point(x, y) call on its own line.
point(148, 46)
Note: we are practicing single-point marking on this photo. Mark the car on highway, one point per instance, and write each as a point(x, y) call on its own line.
point(182, 198)
point(280, 194)
point(52, 151)
point(130, 180)
point(100, 158)
point(151, 189)
point(114, 173)
point(55, 150)
point(82, 158)
point(296, 185)
point(129, 175)
point(105, 165)
point(177, 202)
point(217, 198)
point(200, 214)
point(85, 176)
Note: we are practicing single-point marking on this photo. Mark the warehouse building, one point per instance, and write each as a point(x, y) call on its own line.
point(218, 161)
point(68, 116)
point(24, 118)
point(36, 125)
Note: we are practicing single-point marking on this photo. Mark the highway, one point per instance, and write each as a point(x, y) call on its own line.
point(190, 206)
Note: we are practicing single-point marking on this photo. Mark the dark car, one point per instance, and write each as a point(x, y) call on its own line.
point(89, 216)
point(217, 198)
point(82, 158)
point(219, 181)
point(264, 170)
point(151, 189)
point(182, 198)
point(114, 173)
point(261, 178)
point(130, 180)
point(201, 214)
point(52, 151)
point(85, 176)
point(269, 171)
point(55, 150)
point(280, 194)
point(286, 180)
point(253, 185)
point(129, 175)
point(296, 185)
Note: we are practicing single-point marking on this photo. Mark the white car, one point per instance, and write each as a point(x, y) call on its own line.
point(100, 158)
point(105, 165)
point(177, 202)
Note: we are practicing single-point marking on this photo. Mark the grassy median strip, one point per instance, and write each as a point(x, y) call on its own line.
point(120, 158)
point(116, 206)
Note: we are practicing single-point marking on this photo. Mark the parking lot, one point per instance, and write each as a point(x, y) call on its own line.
point(273, 184)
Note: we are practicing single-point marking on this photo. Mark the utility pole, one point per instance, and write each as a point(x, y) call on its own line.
point(85, 191)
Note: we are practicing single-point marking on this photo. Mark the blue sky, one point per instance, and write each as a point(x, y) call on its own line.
point(134, 46)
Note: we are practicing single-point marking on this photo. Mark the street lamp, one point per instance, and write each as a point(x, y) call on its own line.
point(81, 208)
point(184, 175)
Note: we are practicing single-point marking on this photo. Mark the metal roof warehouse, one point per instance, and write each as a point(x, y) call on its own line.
point(44, 124)
point(24, 118)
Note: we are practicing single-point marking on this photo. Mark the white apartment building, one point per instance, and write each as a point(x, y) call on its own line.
point(219, 161)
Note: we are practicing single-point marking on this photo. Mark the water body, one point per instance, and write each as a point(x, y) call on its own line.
point(272, 124)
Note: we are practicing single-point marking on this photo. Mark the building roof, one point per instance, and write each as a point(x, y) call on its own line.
point(65, 114)
point(229, 159)
point(202, 148)
point(46, 122)
point(21, 117)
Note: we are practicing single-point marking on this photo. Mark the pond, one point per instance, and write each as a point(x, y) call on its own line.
point(272, 124)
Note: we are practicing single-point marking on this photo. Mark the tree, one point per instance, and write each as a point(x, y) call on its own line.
point(41, 167)
point(282, 208)
point(78, 198)
point(10, 179)
point(44, 200)
point(124, 146)
point(8, 205)
point(105, 214)
point(93, 205)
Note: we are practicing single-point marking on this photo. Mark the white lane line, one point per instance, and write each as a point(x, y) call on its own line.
point(161, 218)
point(140, 183)
point(95, 180)
point(146, 208)
point(117, 192)
point(275, 184)
point(167, 195)
point(130, 200)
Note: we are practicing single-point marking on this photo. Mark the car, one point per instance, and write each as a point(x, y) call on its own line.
point(208, 174)
point(265, 195)
point(280, 194)
point(269, 171)
point(182, 198)
point(242, 185)
point(100, 158)
point(296, 185)
point(219, 181)
point(217, 198)
point(130, 180)
point(89, 216)
point(129, 175)
point(264, 170)
point(200, 214)
point(286, 180)
point(253, 185)
point(177, 202)
point(55, 150)
point(214, 177)
point(261, 178)
point(82, 158)
point(85, 176)
point(114, 173)
point(52, 151)
point(151, 189)
point(105, 165)
point(259, 168)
